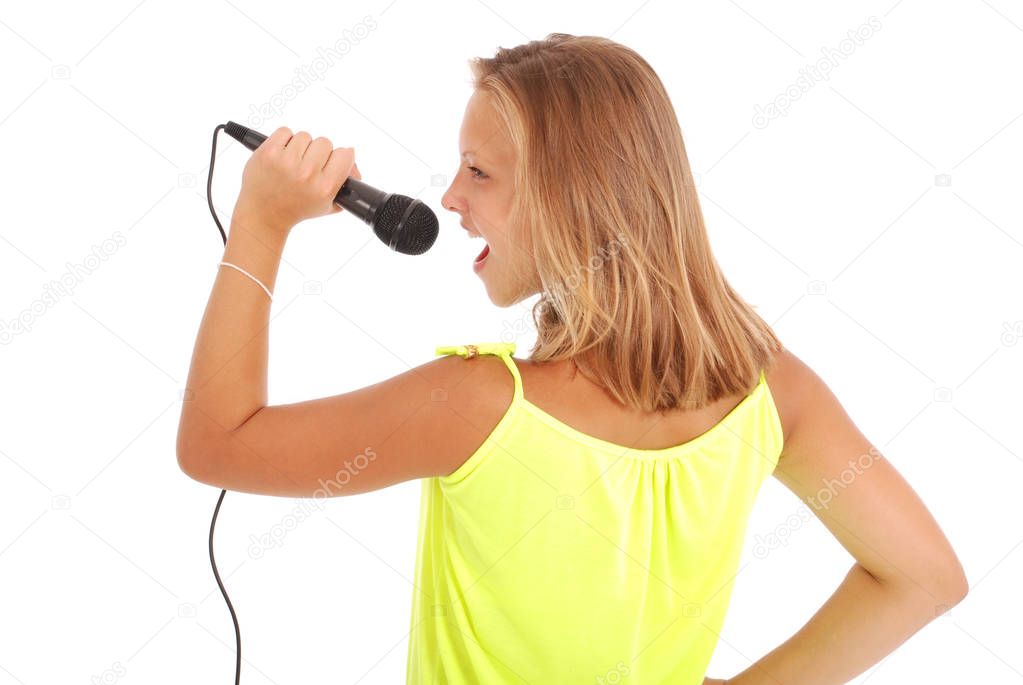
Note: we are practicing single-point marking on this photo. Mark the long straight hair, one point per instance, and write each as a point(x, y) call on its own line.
point(630, 289)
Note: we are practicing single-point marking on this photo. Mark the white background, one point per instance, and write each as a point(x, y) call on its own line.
point(876, 225)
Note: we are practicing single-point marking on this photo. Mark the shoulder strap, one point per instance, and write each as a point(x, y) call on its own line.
point(504, 350)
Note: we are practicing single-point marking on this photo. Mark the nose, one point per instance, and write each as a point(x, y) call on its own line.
point(450, 201)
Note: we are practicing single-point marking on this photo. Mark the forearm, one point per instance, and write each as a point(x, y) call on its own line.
point(227, 381)
point(862, 622)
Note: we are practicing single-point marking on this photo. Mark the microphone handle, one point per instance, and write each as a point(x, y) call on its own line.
point(244, 135)
point(361, 199)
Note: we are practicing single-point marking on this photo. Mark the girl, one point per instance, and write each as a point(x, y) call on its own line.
point(583, 509)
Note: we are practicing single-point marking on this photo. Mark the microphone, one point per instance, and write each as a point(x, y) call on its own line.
point(405, 225)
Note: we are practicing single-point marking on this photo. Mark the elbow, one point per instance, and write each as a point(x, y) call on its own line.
point(950, 597)
point(193, 454)
point(959, 588)
point(939, 585)
point(187, 461)
point(960, 584)
point(200, 441)
point(183, 450)
point(186, 443)
point(196, 465)
point(956, 585)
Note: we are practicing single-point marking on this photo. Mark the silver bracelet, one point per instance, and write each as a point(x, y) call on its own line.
point(258, 282)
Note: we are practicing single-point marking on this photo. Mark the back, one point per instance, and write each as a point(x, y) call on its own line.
point(552, 556)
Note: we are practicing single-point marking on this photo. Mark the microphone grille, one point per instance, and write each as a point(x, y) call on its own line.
point(406, 225)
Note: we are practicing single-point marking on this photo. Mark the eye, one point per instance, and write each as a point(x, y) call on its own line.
point(476, 173)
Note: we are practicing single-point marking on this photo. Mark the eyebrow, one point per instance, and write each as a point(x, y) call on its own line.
point(468, 153)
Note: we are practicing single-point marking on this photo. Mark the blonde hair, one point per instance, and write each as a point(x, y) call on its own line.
point(630, 289)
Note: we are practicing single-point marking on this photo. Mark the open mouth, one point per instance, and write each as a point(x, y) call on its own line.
point(482, 255)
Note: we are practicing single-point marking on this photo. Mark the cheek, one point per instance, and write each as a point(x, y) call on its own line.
point(520, 242)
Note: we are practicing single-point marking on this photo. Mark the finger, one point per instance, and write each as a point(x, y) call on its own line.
point(278, 139)
point(339, 166)
point(298, 143)
point(317, 154)
point(330, 154)
point(355, 172)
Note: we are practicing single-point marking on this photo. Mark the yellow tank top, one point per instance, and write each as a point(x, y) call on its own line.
point(551, 556)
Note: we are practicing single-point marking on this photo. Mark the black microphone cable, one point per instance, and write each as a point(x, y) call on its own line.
point(213, 523)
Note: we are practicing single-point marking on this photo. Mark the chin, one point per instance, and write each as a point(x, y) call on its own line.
point(500, 299)
point(506, 298)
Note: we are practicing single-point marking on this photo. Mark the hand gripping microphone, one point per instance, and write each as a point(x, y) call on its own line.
point(406, 225)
